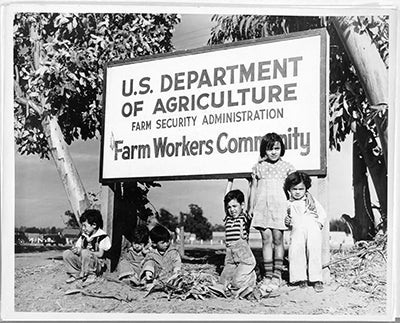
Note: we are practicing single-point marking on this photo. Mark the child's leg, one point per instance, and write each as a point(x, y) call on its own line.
point(314, 246)
point(125, 268)
point(297, 256)
point(266, 239)
point(278, 253)
point(244, 274)
point(149, 270)
point(229, 269)
point(90, 263)
point(72, 262)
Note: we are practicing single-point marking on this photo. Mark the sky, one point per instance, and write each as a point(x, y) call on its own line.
point(40, 199)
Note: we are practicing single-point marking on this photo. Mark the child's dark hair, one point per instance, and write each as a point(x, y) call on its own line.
point(234, 195)
point(159, 233)
point(140, 234)
point(268, 141)
point(92, 216)
point(296, 178)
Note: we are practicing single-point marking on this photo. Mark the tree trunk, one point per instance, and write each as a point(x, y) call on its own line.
point(69, 176)
point(124, 219)
point(376, 166)
point(373, 76)
point(362, 225)
point(370, 68)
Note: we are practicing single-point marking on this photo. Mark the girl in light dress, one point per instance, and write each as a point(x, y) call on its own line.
point(268, 204)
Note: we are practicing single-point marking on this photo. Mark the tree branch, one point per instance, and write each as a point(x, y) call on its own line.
point(25, 101)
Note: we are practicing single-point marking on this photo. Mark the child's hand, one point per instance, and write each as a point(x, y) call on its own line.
point(148, 276)
point(288, 221)
point(76, 250)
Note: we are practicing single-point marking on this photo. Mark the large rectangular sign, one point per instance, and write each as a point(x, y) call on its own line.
point(202, 113)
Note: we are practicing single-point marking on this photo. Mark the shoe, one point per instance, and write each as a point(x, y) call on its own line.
point(303, 284)
point(90, 279)
point(71, 280)
point(264, 284)
point(319, 287)
point(274, 284)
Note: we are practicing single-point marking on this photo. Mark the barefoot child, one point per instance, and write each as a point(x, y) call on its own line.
point(86, 259)
point(133, 254)
point(162, 261)
point(305, 217)
point(239, 269)
point(268, 206)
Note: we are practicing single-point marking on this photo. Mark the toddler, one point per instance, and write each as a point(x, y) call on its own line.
point(86, 259)
point(305, 217)
point(133, 254)
point(162, 261)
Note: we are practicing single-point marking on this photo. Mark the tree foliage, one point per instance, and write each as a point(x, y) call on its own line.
point(71, 221)
point(347, 100)
point(47, 230)
point(195, 222)
point(59, 63)
point(218, 228)
point(167, 219)
point(349, 109)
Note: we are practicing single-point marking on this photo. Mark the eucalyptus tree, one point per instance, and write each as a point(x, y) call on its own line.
point(59, 62)
point(359, 51)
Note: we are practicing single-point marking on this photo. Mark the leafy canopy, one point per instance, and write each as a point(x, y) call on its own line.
point(167, 219)
point(347, 100)
point(195, 222)
point(59, 63)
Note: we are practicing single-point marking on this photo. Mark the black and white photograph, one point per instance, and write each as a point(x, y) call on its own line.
point(199, 161)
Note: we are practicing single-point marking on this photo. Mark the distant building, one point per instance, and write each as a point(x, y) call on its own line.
point(71, 235)
point(34, 237)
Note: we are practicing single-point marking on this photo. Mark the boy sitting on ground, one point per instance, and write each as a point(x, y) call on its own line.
point(162, 261)
point(86, 259)
point(133, 254)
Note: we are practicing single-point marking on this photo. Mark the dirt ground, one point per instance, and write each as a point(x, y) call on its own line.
point(40, 287)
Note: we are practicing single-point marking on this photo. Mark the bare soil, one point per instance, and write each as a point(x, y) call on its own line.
point(40, 287)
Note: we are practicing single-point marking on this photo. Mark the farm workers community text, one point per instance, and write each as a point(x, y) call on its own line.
point(234, 94)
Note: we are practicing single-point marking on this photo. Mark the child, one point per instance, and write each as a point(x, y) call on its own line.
point(86, 259)
point(306, 218)
point(133, 255)
point(268, 206)
point(239, 269)
point(161, 262)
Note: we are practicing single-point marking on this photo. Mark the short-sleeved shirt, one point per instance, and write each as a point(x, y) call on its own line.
point(237, 228)
point(270, 201)
point(95, 242)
